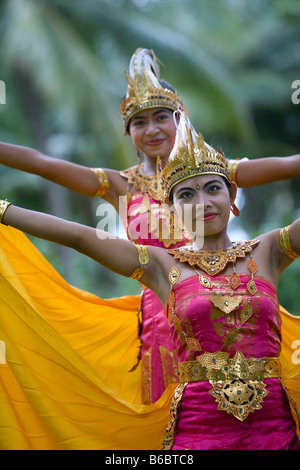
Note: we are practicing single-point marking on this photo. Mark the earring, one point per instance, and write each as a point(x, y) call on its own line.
point(235, 210)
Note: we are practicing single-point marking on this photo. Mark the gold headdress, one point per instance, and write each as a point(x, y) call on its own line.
point(145, 89)
point(190, 156)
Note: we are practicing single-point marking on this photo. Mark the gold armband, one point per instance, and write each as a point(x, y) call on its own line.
point(143, 255)
point(284, 238)
point(3, 208)
point(103, 181)
point(232, 168)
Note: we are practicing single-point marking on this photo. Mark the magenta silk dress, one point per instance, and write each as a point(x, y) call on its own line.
point(197, 422)
point(158, 353)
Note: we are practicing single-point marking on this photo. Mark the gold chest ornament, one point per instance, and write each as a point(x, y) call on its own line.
point(237, 383)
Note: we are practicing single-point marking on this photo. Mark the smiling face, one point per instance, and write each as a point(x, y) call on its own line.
point(152, 132)
point(209, 199)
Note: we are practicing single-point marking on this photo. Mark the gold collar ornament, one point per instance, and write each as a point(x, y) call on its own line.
point(146, 184)
point(145, 88)
point(213, 261)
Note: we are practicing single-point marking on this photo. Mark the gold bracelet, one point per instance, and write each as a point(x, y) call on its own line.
point(232, 168)
point(143, 255)
point(137, 274)
point(3, 208)
point(284, 238)
point(103, 181)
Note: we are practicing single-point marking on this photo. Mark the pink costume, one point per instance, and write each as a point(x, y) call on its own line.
point(198, 327)
point(158, 353)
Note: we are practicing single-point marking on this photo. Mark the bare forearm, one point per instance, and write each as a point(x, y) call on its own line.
point(21, 158)
point(267, 170)
point(41, 225)
point(115, 254)
point(75, 177)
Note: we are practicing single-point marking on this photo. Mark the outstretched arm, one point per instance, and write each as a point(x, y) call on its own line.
point(267, 170)
point(70, 175)
point(116, 254)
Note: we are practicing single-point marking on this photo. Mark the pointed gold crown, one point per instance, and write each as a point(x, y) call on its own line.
point(145, 89)
point(190, 156)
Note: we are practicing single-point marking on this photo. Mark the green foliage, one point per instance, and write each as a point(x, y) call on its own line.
point(232, 61)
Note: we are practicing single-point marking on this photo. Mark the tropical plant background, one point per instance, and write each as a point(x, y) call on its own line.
point(232, 61)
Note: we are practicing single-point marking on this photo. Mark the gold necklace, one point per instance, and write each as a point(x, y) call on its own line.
point(213, 261)
point(147, 184)
point(225, 303)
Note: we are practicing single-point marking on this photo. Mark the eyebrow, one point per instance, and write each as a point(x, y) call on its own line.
point(206, 184)
point(141, 116)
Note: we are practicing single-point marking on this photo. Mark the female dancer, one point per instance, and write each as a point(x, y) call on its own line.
point(147, 113)
point(221, 303)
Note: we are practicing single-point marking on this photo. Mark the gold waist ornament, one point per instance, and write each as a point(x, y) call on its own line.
point(237, 382)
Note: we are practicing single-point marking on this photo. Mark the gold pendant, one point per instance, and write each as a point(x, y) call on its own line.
point(246, 312)
point(226, 303)
point(251, 287)
point(239, 394)
point(193, 344)
point(239, 397)
point(234, 281)
point(205, 281)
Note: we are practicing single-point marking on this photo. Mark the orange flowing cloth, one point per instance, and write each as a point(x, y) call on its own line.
point(64, 361)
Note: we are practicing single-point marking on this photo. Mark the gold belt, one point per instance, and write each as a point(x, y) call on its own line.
point(218, 366)
point(237, 382)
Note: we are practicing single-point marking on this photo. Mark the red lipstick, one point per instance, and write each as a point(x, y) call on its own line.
point(155, 142)
point(209, 216)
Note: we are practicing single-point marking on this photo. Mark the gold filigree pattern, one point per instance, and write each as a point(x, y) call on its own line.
point(146, 184)
point(239, 397)
point(169, 365)
point(174, 275)
point(170, 429)
point(147, 377)
point(145, 90)
point(213, 262)
point(237, 382)
point(191, 156)
point(226, 303)
point(240, 394)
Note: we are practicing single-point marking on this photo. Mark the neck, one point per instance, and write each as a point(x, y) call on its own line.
point(149, 166)
point(216, 242)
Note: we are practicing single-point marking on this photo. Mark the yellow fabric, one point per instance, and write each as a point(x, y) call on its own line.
point(290, 359)
point(65, 381)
